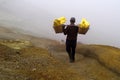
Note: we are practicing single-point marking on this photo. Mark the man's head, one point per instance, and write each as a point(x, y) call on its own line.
point(72, 20)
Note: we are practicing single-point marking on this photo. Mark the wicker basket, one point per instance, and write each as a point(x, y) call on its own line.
point(58, 29)
point(83, 30)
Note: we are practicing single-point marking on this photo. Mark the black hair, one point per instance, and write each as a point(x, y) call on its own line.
point(72, 20)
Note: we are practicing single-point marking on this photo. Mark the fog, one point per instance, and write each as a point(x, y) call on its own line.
point(36, 17)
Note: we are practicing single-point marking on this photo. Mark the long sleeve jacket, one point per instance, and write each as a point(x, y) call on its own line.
point(71, 31)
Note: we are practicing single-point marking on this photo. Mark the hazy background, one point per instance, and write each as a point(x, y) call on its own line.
point(36, 17)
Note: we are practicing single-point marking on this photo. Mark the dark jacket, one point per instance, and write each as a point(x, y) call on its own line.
point(71, 31)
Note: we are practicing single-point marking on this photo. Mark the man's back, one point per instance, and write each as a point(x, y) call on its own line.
point(71, 31)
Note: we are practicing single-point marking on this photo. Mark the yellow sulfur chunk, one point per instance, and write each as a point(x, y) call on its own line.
point(84, 23)
point(59, 21)
point(56, 22)
point(62, 20)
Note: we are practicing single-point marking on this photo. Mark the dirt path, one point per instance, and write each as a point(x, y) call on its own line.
point(88, 68)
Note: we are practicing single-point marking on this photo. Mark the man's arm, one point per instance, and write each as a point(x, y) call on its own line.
point(64, 29)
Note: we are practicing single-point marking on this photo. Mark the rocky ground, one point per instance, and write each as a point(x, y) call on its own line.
point(31, 58)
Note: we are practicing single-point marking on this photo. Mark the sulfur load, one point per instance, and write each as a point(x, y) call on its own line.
point(57, 24)
point(83, 26)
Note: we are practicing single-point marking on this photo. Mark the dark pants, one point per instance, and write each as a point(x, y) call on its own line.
point(70, 48)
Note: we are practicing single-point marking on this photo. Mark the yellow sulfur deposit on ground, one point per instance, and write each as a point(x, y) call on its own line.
point(16, 44)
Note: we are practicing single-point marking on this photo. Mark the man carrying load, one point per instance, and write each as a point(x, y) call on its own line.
point(71, 31)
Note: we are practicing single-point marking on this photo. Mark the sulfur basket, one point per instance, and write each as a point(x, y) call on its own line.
point(83, 30)
point(58, 29)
